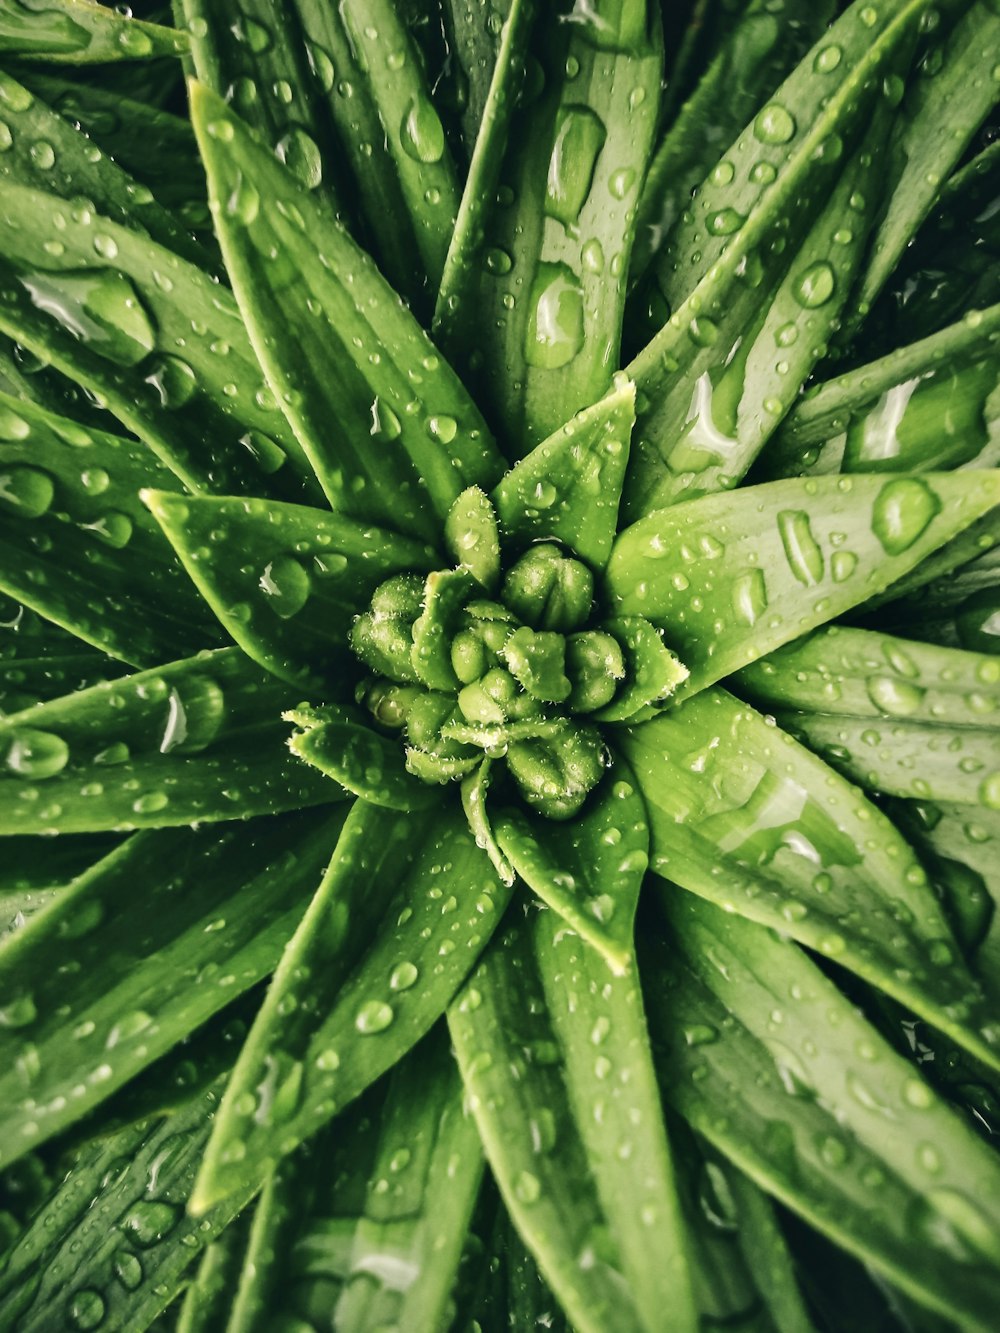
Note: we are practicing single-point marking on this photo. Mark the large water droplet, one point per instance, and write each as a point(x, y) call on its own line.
point(148, 1221)
point(903, 509)
point(286, 584)
point(580, 136)
point(373, 1016)
point(36, 755)
point(555, 324)
point(300, 153)
point(816, 285)
point(774, 124)
point(421, 133)
point(99, 307)
point(26, 492)
point(802, 551)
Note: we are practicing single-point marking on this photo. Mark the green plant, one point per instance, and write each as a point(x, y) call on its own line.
point(412, 919)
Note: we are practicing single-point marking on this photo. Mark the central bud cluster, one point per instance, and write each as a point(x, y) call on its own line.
point(466, 676)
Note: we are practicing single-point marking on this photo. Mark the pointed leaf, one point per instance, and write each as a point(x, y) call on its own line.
point(926, 406)
point(569, 486)
point(26, 681)
point(732, 577)
point(445, 597)
point(119, 1212)
point(285, 580)
point(589, 871)
point(152, 336)
point(402, 450)
point(208, 1300)
point(87, 1008)
point(475, 789)
point(81, 32)
point(344, 1005)
point(863, 673)
point(341, 744)
point(197, 740)
point(49, 153)
point(741, 814)
point(817, 1108)
point(472, 537)
point(536, 1008)
point(652, 672)
point(78, 546)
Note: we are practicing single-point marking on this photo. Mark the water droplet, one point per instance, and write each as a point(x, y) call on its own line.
point(403, 976)
point(443, 428)
point(86, 1309)
point(527, 1187)
point(26, 492)
point(421, 133)
point(843, 565)
point(174, 380)
point(287, 586)
point(128, 1270)
point(802, 551)
point(749, 596)
point(580, 136)
point(373, 1016)
point(725, 222)
point(903, 510)
point(555, 325)
point(300, 153)
point(898, 698)
point(98, 307)
point(149, 1221)
point(36, 755)
point(815, 286)
point(18, 1013)
point(828, 59)
point(774, 124)
point(113, 528)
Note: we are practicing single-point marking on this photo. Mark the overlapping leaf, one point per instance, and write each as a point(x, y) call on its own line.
point(82, 32)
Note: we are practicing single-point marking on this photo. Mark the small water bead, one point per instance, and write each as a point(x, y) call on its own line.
point(774, 124)
point(301, 154)
point(989, 791)
point(763, 173)
point(802, 551)
point(148, 1221)
point(579, 139)
point(725, 222)
point(373, 1016)
point(443, 428)
point(527, 1187)
point(827, 59)
point(403, 976)
point(497, 261)
point(6, 137)
point(128, 1270)
point(18, 1013)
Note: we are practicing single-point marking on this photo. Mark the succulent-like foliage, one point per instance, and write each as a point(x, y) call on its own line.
point(431, 433)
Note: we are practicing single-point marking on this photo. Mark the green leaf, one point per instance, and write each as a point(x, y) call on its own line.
point(25, 681)
point(603, 1224)
point(80, 32)
point(114, 1236)
point(337, 344)
point(730, 578)
point(931, 405)
point(939, 115)
point(77, 545)
point(863, 673)
point(748, 64)
point(104, 981)
point(652, 672)
point(494, 72)
point(540, 328)
point(569, 486)
point(344, 746)
point(196, 740)
point(590, 870)
point(446, 593)
point(475, 788)
point(744, 321)
point(207, 1302)
point(154, 146)
point(786, 1077)
point(49, 153)
point(345, 1004)
point(741, 814)
point(473, 538)
point(152, 336)
point(285, 580)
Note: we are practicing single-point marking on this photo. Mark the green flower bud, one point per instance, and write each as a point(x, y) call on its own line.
point(401, 597)
point(548, 590)
point(469, 656)
point(556, 774)
point(390, 704)
point(538, 661)
point(489, 699)
point(595, 664)
point(426, 717)
point(382, 637)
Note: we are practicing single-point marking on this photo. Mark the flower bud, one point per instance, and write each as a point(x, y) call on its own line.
point(595, 664)
point(548, 590)
point(555, 774)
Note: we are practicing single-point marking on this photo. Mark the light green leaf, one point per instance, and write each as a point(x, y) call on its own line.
point(114, 1236)
point(196, 740)
point(207, 1302)
point(731, 577)
point(473, 538)
point(863, 673)
point(652, 672)
point(590, 870)
point(155, 338)
point(77, 545)
point(741, 814)
point(337, 344)
point(343, 744)
point(104, 980)
point(786, 1078)
point(385, 943)
point(80, 32)
point(285, 580)
point(569, 486)
point(602, 1224)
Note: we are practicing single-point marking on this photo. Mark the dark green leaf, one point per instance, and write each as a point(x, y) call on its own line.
point(742, 815)
point(200, 739)
point(389, 937)
point(343, 744)
point(338, 345)
point(104, 980)
point(652, 672)
point(731, 577)
point(208, 1300)
point(80, 32)
point(285, 580)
